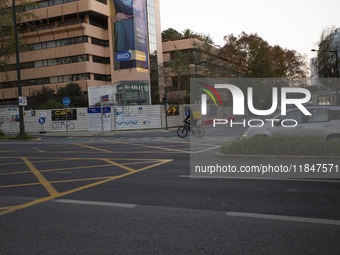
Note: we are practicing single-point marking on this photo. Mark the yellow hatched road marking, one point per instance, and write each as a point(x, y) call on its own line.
point(150, 146)
point(40, 177)
point(57, 195)
point(119, 165)
point(91, 147)
point(58, 169)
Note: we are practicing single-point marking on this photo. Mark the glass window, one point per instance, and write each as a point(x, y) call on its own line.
point(319, 115)
point(295, 115)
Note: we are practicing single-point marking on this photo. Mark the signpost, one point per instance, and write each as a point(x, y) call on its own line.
point(42, 122)
point(66, 102)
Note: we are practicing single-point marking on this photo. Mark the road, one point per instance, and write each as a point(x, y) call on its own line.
point(132, 194)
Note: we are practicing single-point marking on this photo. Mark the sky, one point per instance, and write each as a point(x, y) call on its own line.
point(292, 24)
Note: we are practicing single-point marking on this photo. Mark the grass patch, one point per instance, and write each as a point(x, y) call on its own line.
point(18, 137)
point(280, 145)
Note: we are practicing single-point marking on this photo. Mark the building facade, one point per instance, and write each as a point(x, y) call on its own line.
point(84, 42)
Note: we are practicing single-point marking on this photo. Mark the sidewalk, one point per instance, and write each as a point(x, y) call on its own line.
point(85, 133)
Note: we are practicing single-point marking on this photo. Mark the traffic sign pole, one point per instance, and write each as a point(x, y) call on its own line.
point(42, 122)
point(66, 102)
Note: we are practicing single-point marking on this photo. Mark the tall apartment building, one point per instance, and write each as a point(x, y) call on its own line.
point(89, 42)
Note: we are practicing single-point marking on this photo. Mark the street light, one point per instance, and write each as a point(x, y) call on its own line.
point(337, 70)
point(21, 110)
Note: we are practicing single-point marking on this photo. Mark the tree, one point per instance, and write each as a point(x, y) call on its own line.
point(171, 34)
point(178, 69)
point(40, 97)
point(7, 40)
point(326, 61)
point(251, 56)
point(73, 91)
point(187, 33)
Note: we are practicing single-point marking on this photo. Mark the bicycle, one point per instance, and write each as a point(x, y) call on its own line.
point(197, 131)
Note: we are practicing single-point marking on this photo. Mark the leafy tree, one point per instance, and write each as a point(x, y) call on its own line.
point(51, 104)
point(178, 69)
point(171, 34)
point(73, 91)
point(7, 40)
point(187, 33)
point(251, 56)
point(326, 61)
point(40, 97)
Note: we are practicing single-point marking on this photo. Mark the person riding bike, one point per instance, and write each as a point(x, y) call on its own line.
point(188, 120)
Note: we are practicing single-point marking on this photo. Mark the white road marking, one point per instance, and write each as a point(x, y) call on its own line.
point(109, 204)
point(284, 218)
point(258, 178)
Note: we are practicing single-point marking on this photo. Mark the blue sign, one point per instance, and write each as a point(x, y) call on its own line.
point(123, 56)
point(98, 110)
point(66, 101)
point(140, 108)
point(42, 121)
point(187, 113)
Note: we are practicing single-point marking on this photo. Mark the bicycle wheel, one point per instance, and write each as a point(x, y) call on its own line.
point(198, 131)
point(182, 131)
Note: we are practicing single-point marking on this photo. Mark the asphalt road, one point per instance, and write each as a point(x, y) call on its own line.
point(132, 194)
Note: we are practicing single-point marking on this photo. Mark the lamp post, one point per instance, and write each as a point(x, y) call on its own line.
point(21, 110)
point(337, 70)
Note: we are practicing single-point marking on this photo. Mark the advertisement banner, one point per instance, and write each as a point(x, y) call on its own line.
point(69, 114)
point(129, 32)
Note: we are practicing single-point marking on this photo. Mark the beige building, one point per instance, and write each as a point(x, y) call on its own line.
point(188, 58)
point(73, 41)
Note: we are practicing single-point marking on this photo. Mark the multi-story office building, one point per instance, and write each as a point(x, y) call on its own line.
point(89, 42)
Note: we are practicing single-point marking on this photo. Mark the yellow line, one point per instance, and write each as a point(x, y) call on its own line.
point(57, 169)
point(215, 147)
point(5, 208)
point(41, 178)
point(149, 146)
point(62, 181)
point(21, 163)
point(157, 164)
point(119, 165)
point(91, 147)
point(41, 200)
point(37, 149)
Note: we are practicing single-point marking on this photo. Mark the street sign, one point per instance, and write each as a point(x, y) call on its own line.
point(23, 101)
point(42, 121)
point(66, 101)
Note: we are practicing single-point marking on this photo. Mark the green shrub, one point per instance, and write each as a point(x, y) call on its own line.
point(280, 145)
point(2, 133)
point(21, 136)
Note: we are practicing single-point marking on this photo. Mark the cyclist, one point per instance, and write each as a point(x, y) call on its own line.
point(188, 120)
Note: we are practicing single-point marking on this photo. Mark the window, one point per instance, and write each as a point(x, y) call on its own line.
point(295, 115)
point(319, 115)
point(102, 60)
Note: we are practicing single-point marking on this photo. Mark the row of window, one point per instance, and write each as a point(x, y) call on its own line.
point(57, 79)
point(47, 3)
point(64, 42)
point(48, 80)
point(55, 43)
point(58, 61)
point(51, 62)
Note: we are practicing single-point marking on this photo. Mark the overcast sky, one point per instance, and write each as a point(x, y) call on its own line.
point(292, 24)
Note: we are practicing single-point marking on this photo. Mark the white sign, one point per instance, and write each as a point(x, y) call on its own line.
point(43, 114)
point(23, 101)
point(94, 118)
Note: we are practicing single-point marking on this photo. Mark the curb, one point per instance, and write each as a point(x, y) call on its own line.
point(241, 156)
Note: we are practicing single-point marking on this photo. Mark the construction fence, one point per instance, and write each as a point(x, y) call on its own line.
point(91, 119)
